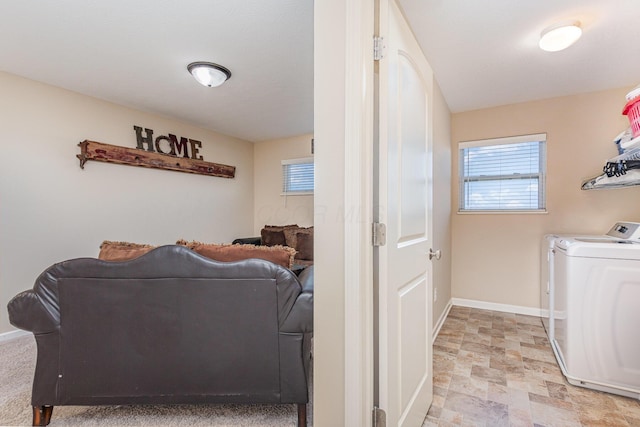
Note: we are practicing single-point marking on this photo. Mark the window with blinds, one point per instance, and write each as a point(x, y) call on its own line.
point(297, 176)
point(503, 174)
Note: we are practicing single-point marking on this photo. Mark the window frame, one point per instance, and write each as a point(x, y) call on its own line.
point(285, 184)
point(541, 175)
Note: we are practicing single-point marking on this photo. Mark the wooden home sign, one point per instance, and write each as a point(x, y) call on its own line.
point(163, 152)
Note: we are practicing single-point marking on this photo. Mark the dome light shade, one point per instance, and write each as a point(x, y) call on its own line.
point(560, 36)
point(209, 74)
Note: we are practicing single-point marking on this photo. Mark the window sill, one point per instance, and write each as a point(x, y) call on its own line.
point(505, 212)
point(298, 193)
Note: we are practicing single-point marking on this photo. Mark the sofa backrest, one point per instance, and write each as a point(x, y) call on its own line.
point(169, 315)
point(170, 261)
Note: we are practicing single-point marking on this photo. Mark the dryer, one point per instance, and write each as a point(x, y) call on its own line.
point(596, 309)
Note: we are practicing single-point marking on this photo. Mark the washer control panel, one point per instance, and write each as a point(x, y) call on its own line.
point(625, 231)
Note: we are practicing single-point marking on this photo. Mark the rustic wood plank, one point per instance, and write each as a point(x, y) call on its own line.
point(92, 150)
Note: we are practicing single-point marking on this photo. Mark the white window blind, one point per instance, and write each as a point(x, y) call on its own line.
point(503, 174)
point(297, 176)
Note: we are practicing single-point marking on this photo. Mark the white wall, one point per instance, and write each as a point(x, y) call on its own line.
point(270, 206)
point(496, 258)
point(51, 210)
point(329, 409)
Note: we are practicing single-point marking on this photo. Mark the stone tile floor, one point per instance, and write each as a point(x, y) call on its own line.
point(497, 369)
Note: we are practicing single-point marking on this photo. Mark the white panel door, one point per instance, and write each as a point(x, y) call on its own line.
point(404, 190)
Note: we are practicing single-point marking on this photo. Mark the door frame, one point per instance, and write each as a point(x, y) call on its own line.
point(359, 128)
point(343, 252)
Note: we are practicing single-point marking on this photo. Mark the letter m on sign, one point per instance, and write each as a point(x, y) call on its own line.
point(178, 148)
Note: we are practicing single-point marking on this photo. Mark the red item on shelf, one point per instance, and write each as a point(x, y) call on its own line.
point(632, 111)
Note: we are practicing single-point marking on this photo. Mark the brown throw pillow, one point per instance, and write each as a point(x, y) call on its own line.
point(273, 235)
point(291, 237)
point(304, 246)
point(280, 255)
point(122, 251)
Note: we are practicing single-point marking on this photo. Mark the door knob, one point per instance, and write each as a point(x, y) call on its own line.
point(434, 254)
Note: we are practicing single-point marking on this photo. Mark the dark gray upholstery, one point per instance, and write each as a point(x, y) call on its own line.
point(168, 327)
point(248, 241)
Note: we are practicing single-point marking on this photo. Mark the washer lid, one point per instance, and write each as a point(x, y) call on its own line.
point(599, 247)
point(550, 239)
point(603, 240)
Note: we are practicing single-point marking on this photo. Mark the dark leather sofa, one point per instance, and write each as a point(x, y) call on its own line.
point(170, 327)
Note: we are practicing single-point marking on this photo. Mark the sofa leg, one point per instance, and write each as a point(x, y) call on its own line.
point(302, 415)
point(42, 415)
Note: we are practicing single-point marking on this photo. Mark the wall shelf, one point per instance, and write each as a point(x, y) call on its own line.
point(98, 151)
point(619, 171)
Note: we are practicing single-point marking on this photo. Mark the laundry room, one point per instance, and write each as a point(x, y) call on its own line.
point(496, 256)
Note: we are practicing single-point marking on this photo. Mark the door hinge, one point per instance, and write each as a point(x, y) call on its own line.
point(379, 234)
point(378, 48)
point(379, 417)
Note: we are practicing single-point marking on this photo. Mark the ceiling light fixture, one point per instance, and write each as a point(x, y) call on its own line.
point(560, 36)
point(208, 73)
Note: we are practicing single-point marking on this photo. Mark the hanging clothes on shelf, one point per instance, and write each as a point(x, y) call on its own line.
point(620, 171)
point(621, 167)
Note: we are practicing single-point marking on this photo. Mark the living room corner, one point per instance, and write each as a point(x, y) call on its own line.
point(272, 207)
point(53, 210)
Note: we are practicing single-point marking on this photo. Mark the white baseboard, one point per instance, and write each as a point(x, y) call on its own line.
point(440, 322)
point(505, 308)
point(6, 336)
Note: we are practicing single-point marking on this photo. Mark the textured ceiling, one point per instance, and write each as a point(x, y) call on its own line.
point(135, 53)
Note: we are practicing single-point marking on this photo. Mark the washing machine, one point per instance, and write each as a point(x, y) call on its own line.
point(596, 309)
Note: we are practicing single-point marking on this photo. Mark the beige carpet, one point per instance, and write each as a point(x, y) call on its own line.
point(17, 363)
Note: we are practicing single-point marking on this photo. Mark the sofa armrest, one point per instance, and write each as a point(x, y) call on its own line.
point(248, 241)
point(306, 279)
point(27, 312)
point(300, 318)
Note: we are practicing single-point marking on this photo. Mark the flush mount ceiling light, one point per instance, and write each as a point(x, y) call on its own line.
point(560, 36)
point(208, 73)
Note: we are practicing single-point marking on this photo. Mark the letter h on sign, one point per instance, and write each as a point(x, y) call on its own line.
point(144, 139)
